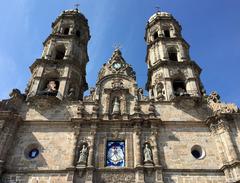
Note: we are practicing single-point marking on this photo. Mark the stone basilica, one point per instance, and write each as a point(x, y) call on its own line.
point(177, 134)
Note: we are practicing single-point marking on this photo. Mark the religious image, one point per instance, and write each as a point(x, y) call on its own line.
point(115, 153)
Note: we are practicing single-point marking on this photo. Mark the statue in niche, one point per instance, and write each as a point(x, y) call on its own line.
point(83, 155)
point(160, 91)
point(147, 154)
point(116, 106)
point(51, 89)
point(181, 92)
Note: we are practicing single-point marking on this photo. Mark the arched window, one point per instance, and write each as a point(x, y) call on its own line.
point(166, 33)
point(155, 36)
point(66, 31)
point(179, 87)
point(60, 52)
point(172, 54)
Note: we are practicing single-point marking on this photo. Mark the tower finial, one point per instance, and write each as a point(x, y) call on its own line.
point(77, 5)
point(117, 46)
point(157, 8)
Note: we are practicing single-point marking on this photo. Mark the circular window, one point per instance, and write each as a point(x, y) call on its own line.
point(33, 153)
point(198, 152)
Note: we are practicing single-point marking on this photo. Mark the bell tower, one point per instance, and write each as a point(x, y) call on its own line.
point(171, 72)
point(61, 71)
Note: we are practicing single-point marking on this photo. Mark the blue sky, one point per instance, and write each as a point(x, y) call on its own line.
point(212, 28)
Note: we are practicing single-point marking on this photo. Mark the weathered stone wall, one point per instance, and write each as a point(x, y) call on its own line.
point(194, 178)
point(54, 141)
point(175, 143)
point(38, 178)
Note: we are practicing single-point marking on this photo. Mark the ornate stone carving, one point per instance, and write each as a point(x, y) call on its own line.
point(151, 109)
point(83, 155)
point(137, 108)
point(147, 154)
point(16, 99)
point(116, 66)
point(218, 125)
point(116, 106)
point(121, 177)
point(80, 109)
point(160, 91)
point(90, 98)
point(218, 107)
point(117, 84)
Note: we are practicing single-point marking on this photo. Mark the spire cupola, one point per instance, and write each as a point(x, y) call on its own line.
point(171, 72)
point(61, 70)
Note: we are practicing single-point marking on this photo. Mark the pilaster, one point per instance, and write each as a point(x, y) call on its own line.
point(220, 127)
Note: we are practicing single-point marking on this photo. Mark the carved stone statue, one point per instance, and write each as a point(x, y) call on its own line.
point(83, 155)
point(116, 106)
point(147, 154)
point(51, 89)
point(159, 88)
point(180, 91)
point(218, 107)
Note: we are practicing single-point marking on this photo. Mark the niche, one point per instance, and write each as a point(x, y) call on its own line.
point(60, 52)
point(49, 87)
point(172, 54)
point(66, 31)
point(166, 33)
point(179, 87)
point(155, 36)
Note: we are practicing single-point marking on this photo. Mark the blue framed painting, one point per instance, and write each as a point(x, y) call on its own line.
point(115, 155)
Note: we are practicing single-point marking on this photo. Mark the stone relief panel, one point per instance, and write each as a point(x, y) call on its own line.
point(120, 177)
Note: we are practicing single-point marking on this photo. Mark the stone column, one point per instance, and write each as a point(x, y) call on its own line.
point(48, 54)
point(139, 177)
point(220, 128)
point(137, 148)
point(90, 161)
point(107, 103)
point(228, 144)
point(63, 83)
point(75, 140)
point(155, 149)
point(91, 151)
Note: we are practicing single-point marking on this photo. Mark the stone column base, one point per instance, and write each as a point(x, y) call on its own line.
point(139, 176)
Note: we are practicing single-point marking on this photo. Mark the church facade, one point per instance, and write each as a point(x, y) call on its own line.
point(177, 134)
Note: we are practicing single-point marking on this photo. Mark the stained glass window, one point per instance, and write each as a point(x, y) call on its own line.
point(115, 155)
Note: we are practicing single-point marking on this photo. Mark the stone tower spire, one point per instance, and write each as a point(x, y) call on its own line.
point(171, 72)
point(61, 71)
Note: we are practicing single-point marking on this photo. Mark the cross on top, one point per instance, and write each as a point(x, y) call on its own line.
point(77, 5)
point(157, 8)
point(117, 46)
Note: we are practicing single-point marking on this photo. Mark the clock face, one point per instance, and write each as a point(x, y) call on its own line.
point(117, 65)
point(115, 153)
